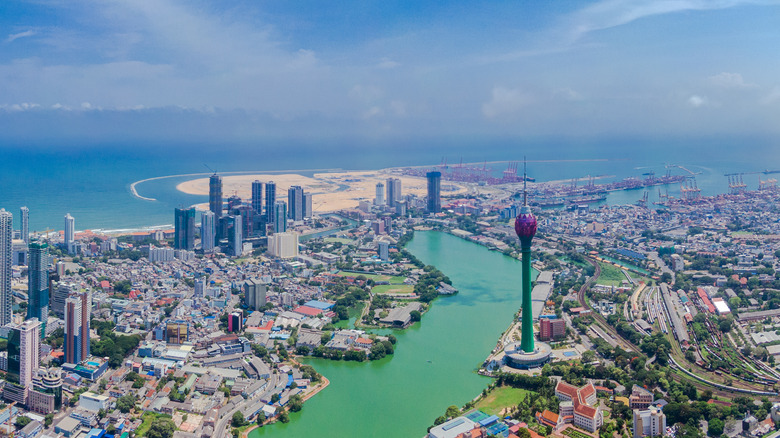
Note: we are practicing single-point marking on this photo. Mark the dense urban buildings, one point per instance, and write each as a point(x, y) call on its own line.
point(434, 192)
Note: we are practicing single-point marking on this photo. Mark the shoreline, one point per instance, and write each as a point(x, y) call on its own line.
point(324, 384)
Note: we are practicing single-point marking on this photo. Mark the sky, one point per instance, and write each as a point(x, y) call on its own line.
point(171, 70)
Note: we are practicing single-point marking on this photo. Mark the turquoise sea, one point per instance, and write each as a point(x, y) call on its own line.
point(92, 182)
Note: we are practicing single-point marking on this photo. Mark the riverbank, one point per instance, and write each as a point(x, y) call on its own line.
point(323, 384)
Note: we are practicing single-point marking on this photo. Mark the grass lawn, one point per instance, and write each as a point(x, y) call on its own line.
point(610, 275)
point(501, 397)
point(393, 289)
point(392, 279)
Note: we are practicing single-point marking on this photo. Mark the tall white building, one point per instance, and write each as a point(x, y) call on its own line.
point(384, 250)
point(283, 245)
point(70, 232)
point(380, 194)
point(29, 354)
point(200, 286)
point(25, 228)
point(236, 240)
point(207, 231)
point(651, 422)
point(6, 255)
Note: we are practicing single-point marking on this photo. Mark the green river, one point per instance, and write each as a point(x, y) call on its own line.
point(435, 360)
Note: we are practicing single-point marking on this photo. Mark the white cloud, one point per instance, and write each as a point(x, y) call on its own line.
point(387, 63)
point(729, 80)
point(697, 101)
point(15, 36)
point(772, 97)
point(611, 13)
point(567, 94)
point(504, 101)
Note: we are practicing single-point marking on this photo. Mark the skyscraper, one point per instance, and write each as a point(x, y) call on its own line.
point(393, 191)
point(184, 237)
point(379, 199)
point(434, 192)
point(215, 195)
point(307, 205)
point(25, 213)
point(235, 236)
point(270, 201)
point(6, 256)
point(295, 203)
point(38, 284)
point(280, 217)
point(70, 231)
point(77, 315)
point(24, 351)
point(257, 197)
point(207, 231)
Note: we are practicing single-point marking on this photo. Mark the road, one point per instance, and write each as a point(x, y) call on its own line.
point(220, 429)
point(660, 263)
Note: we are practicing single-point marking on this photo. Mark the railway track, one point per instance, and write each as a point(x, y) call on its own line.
point(624, 343)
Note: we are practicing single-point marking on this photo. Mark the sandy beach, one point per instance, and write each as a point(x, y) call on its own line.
point(330, 191)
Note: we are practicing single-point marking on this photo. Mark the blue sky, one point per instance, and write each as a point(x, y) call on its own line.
point(366, 69)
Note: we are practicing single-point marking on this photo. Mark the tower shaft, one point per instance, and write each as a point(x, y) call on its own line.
point(527, 339)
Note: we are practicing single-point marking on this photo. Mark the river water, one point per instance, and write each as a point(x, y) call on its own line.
point(435, 361)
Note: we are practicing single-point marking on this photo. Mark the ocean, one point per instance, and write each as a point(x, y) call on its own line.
point(92, 182)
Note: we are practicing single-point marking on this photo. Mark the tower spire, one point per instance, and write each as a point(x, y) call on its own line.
point(525, 180)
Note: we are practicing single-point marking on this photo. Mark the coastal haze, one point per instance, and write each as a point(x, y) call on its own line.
point(149, 286)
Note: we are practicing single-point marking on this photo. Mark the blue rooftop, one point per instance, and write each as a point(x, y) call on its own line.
point(319, 305)
point(488, 421)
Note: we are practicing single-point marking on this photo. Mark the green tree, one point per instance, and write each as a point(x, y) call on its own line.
point(415, 315)
point(275, 398)
point(48, 420)
point(162, 427)
point(296, 403)
point(452, 412)
point(21, 421)
point(238, 419)
point(125, 403)
point(715, 427)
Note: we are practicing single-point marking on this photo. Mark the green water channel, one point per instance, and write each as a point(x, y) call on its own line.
point(435, 360)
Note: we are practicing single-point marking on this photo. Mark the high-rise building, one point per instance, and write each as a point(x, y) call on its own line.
point(46, 394)
point(650, 422)
point(393, 191)
point(177, 332)
point(200, 287)
point(257, 197)
point(380, 194)
point(58, 297)
point(38, 284)
point(384, 251)
point(207, 231)
point(235, 322)
point(254, 293)
point(270, 201)
point(77, 316)
point(235, 236)
point(184, 231)
point(24, 351)
point(6, 257)
point(280, 217)
point(25, 228)
point(551, 329)
point(283, 245)
point(307, 205)
point(434, 192)
point(70, 232)
point(215, 195)
point(295, 203)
